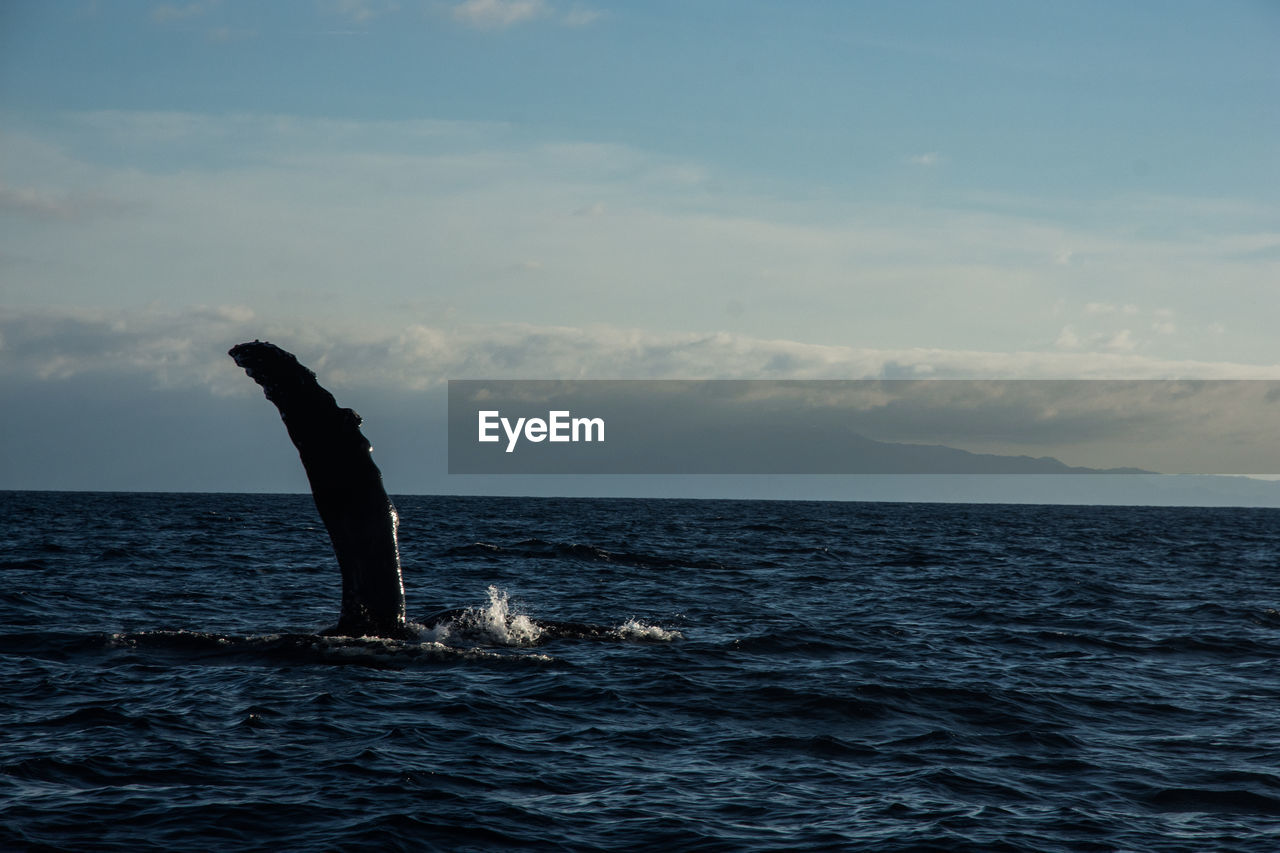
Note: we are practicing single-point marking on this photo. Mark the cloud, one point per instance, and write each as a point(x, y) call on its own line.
point(497, 14)
point(222, 35)
point(166, 12)
point(1116, 339)
point(1067, 338)
point(1109, 308)
point(37, 203)
point(433, 220)
point(176, 348)
point(580, 16)
point(170, 348)
point(1121, 341)
point(362, 11)
point(164, 364)
point(49, 204)
point(928, 160)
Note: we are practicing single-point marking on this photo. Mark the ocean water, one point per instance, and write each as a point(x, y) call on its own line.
point(778, 676)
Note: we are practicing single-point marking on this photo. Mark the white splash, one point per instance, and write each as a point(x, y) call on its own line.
point(503, 628)
point(637, 630)
point(437, 633)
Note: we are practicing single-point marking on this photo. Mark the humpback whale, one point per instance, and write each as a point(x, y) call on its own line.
point(355, 509)
point(347, 488)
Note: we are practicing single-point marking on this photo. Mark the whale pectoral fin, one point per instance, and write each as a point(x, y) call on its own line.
point(347, 487)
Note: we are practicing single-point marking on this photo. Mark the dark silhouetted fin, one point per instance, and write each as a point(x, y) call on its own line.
point(347, 488)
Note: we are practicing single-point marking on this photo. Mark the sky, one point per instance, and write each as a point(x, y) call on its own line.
point(403, 193)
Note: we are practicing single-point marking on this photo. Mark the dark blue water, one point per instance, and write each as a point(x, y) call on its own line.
point(782, 676)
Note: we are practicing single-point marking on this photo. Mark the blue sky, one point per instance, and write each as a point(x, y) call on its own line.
point(408, 192)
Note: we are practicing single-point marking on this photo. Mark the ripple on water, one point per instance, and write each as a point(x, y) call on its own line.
point(769, 676)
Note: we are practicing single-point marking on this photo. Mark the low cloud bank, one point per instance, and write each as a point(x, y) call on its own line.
point(186, 348)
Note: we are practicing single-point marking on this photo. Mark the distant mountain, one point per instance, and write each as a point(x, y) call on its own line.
point(869, 456)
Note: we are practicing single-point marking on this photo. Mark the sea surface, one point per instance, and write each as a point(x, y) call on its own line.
point(776, 676)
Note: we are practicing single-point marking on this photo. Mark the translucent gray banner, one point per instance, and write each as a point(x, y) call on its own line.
point(864, 427)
